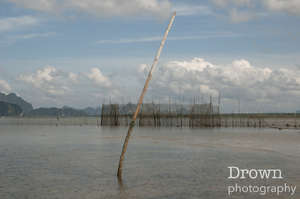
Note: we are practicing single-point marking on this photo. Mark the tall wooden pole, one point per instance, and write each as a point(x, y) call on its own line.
point(132, 124)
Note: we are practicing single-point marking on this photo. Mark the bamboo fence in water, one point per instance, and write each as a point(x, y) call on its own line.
point(193, 116)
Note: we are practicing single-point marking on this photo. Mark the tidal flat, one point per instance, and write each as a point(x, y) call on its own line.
point(76, 162)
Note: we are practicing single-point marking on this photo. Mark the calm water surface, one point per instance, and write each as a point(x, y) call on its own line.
point(81, 162)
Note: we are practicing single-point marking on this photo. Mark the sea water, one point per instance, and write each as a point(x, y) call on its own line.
point(81, 162)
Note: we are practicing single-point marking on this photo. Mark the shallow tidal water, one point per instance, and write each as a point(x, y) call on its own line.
point(81, 162)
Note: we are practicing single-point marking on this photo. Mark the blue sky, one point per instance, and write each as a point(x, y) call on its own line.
point(118, 37)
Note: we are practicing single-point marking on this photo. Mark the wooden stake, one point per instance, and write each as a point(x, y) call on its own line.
point(132, 124)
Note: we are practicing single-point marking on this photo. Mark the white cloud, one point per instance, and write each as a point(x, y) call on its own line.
point(50, 86)
point(41, 76)
point(102, 8)
point(48, 79)
point(4, 86)
point(188, 10)
point(13, 23)
point(96, 76)
point(238, 80)
point(290, 6)
point(73, 77)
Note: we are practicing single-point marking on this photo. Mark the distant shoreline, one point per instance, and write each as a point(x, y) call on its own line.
point(279, 121)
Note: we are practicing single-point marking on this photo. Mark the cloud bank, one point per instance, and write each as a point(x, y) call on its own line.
point(259, 89)
point(237, 10)
point(254, 86)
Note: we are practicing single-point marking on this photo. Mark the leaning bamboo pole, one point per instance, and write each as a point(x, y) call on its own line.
point(132, 124)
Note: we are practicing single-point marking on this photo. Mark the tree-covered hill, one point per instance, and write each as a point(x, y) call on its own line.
point(8, 109)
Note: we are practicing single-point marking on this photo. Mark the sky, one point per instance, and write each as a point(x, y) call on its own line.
point(83, 53)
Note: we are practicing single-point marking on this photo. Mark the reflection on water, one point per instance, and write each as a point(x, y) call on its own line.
point(81, 162)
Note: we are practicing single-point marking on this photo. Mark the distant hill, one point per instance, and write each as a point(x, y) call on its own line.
point(8, 109)
point(92, 111)
point(56, 112)
point(14, 99)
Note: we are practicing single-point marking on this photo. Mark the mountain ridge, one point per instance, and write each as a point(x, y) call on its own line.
point(12, 98)
point(8, 109)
